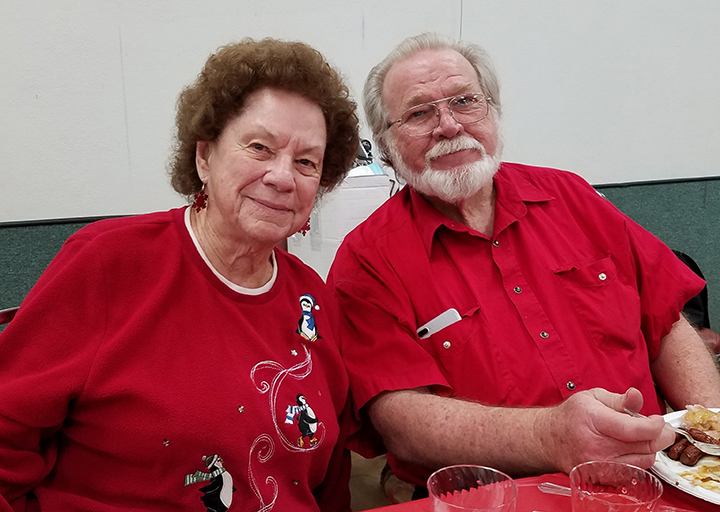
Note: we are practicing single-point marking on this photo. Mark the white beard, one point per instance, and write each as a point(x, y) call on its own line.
point(452, 185)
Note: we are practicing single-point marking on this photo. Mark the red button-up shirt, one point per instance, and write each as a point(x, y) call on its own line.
point(568, 294)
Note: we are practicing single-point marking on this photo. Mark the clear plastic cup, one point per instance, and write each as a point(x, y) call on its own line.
point(607, 486)
point(465, 488)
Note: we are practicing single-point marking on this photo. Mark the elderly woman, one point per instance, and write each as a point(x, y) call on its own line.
point(178, 360)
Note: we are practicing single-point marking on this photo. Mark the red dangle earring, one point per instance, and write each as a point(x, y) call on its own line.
point(201, 200)
point(303, 230)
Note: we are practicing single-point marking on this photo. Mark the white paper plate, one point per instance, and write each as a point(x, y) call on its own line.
point(669, 470)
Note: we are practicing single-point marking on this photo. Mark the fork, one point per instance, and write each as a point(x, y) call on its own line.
point(709, 448)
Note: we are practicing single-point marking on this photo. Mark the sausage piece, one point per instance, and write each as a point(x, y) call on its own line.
point(676, 450)
point(701, 436)
point(690, 455)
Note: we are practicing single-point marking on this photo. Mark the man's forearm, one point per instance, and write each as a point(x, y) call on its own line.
point(685, 371)
point(435, 431)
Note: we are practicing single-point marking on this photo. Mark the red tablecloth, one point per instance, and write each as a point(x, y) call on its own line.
point(529, 498)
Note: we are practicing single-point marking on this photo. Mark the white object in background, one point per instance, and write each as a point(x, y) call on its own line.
point(338, 213)
point(366, 170)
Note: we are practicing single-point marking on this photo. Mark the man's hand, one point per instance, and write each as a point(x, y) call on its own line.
point(592, 425)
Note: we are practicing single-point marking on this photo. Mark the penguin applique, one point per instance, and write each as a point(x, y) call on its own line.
point(307, 421)
point(306, 324)
point(218, 494)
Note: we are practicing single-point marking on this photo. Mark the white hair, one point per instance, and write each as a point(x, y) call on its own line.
point(376, 111)
point(450, 185)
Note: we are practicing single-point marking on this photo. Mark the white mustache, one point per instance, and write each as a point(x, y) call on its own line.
point(449, 146)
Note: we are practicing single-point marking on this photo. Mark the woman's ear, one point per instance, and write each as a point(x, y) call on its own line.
point(202, 156)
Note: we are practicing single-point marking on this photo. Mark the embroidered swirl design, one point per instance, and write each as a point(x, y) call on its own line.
point(265, 450)
point(297, 372)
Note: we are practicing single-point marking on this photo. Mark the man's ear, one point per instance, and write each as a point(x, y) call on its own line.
point(203, 149)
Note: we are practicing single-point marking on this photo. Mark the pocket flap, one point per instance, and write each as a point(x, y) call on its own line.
point(594, 273)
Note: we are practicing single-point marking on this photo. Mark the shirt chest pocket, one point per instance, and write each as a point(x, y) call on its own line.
point(468, 359)
point(450, 333)
point(609, 308)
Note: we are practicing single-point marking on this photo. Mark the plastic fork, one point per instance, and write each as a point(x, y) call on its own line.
point(709, 448)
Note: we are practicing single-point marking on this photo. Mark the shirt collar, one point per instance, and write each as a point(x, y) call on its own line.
point(512, 190)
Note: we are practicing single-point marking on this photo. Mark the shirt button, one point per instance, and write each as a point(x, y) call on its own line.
point(447, 344)
point(571, 385)
point(496, 243)
point(517, 289)
point(602, 276)
point(544, 335)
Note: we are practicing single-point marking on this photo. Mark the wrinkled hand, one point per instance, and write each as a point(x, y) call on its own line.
point(591, 425)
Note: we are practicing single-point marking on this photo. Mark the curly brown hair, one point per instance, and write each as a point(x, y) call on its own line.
point(217, 96)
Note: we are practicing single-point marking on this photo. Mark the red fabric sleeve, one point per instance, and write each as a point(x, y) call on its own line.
point(665, 284)
point(381, 352)
point(46, 353)
point(380, 349)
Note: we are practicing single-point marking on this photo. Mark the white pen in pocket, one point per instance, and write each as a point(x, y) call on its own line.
point(439, 323)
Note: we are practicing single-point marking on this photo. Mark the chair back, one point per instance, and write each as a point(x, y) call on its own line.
point(7, 314)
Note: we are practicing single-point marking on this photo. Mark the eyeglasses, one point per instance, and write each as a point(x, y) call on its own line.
point(424, 118)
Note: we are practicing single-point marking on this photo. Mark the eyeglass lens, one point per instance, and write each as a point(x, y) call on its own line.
point(465, 109)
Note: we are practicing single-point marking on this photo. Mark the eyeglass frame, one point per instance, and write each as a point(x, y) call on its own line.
point(434, 103)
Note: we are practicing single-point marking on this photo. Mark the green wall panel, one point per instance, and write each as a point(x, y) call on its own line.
point(686, 216)
point(25, 252)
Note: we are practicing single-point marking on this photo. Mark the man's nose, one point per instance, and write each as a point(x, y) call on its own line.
point(447, 127)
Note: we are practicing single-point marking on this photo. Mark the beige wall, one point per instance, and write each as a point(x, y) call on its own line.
point(615, 90)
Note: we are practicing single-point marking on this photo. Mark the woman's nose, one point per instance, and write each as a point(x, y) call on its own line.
point(280, 173)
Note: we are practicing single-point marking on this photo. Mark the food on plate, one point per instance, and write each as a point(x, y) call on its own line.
point(702, 419)
point(684, 451)
point(676, 450)
point(703, 425)
point(703, 478)
point(705, 475)
point(701, 436)
point(704, 470)
point(690, 455)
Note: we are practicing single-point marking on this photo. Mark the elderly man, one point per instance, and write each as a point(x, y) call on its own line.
point(503, 314)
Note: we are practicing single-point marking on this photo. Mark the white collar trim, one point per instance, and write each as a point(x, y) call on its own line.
point(237, 288)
